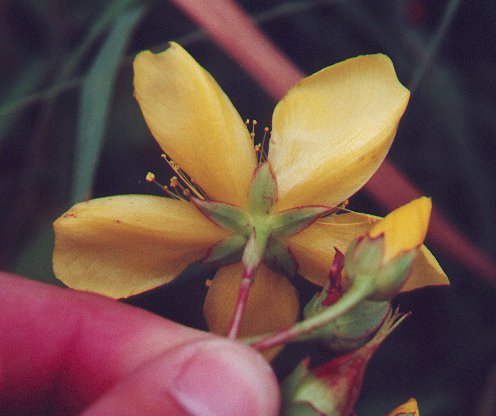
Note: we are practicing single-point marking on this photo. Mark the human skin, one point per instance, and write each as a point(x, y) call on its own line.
point(64, 352)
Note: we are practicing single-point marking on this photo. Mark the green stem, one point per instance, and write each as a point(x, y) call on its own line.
point(350, 299)
point(252, 257)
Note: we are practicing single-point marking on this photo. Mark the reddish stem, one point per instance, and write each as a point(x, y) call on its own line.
point(274, 340)
point(237, 34)
point(237, 318)
point(390, 188)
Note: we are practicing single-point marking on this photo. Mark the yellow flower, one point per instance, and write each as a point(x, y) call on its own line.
point(329, 135)
point(409, 408)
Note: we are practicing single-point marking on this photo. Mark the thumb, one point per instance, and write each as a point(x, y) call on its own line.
point(209, 377)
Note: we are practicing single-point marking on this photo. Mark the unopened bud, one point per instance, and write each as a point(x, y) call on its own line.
point(332, 388)
point(352, 329)
point(382, 258)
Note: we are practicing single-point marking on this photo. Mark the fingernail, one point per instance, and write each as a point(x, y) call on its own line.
point(224, 379)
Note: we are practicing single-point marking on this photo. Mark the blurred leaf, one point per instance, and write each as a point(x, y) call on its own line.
point(115, 10)
point(12, 103)
point(25, 83)
point(94, 107)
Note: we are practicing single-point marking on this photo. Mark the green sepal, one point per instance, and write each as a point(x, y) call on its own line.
point(289, 388)
point(393, 275)
point(227, 251)
point(303, 393)
point(227, 216)
point(263, 190)
point(254, 249)
point(364, 263)
point(295, 220)
point(278, 257)
point(364, 255)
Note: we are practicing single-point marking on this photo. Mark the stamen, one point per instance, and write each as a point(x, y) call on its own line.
point(263, 154)
point(150, 177)
point(178, 187)
point(259, 147)
point(182, 181)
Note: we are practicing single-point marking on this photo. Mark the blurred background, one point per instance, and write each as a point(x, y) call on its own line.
point(70, 128)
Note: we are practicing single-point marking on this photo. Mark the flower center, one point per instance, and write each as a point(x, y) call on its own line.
point(258, 234)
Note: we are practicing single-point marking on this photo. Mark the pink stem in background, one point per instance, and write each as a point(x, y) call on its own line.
point(237, 319)
point(238, 35)
point(390, 188)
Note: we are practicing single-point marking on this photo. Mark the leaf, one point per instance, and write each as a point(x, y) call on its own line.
point(25, 82)
point(95, 101)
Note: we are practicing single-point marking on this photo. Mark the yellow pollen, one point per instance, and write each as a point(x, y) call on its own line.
point(150, 177)
point(173, 182)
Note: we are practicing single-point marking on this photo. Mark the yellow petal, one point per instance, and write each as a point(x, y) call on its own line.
point(272, 303)
point(404, 228)
point(425, 271)
point(313, 250)
point(195, 123)
point(408, 408)
point(332, 130)
point(123, 245)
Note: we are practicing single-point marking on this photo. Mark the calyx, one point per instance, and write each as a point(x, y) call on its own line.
point(257, 232)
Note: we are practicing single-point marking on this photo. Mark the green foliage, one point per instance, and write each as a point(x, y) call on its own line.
point(96, 95)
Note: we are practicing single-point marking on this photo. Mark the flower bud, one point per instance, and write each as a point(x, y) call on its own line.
point(382, 258)
point(352, 329)
point(332, 388)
